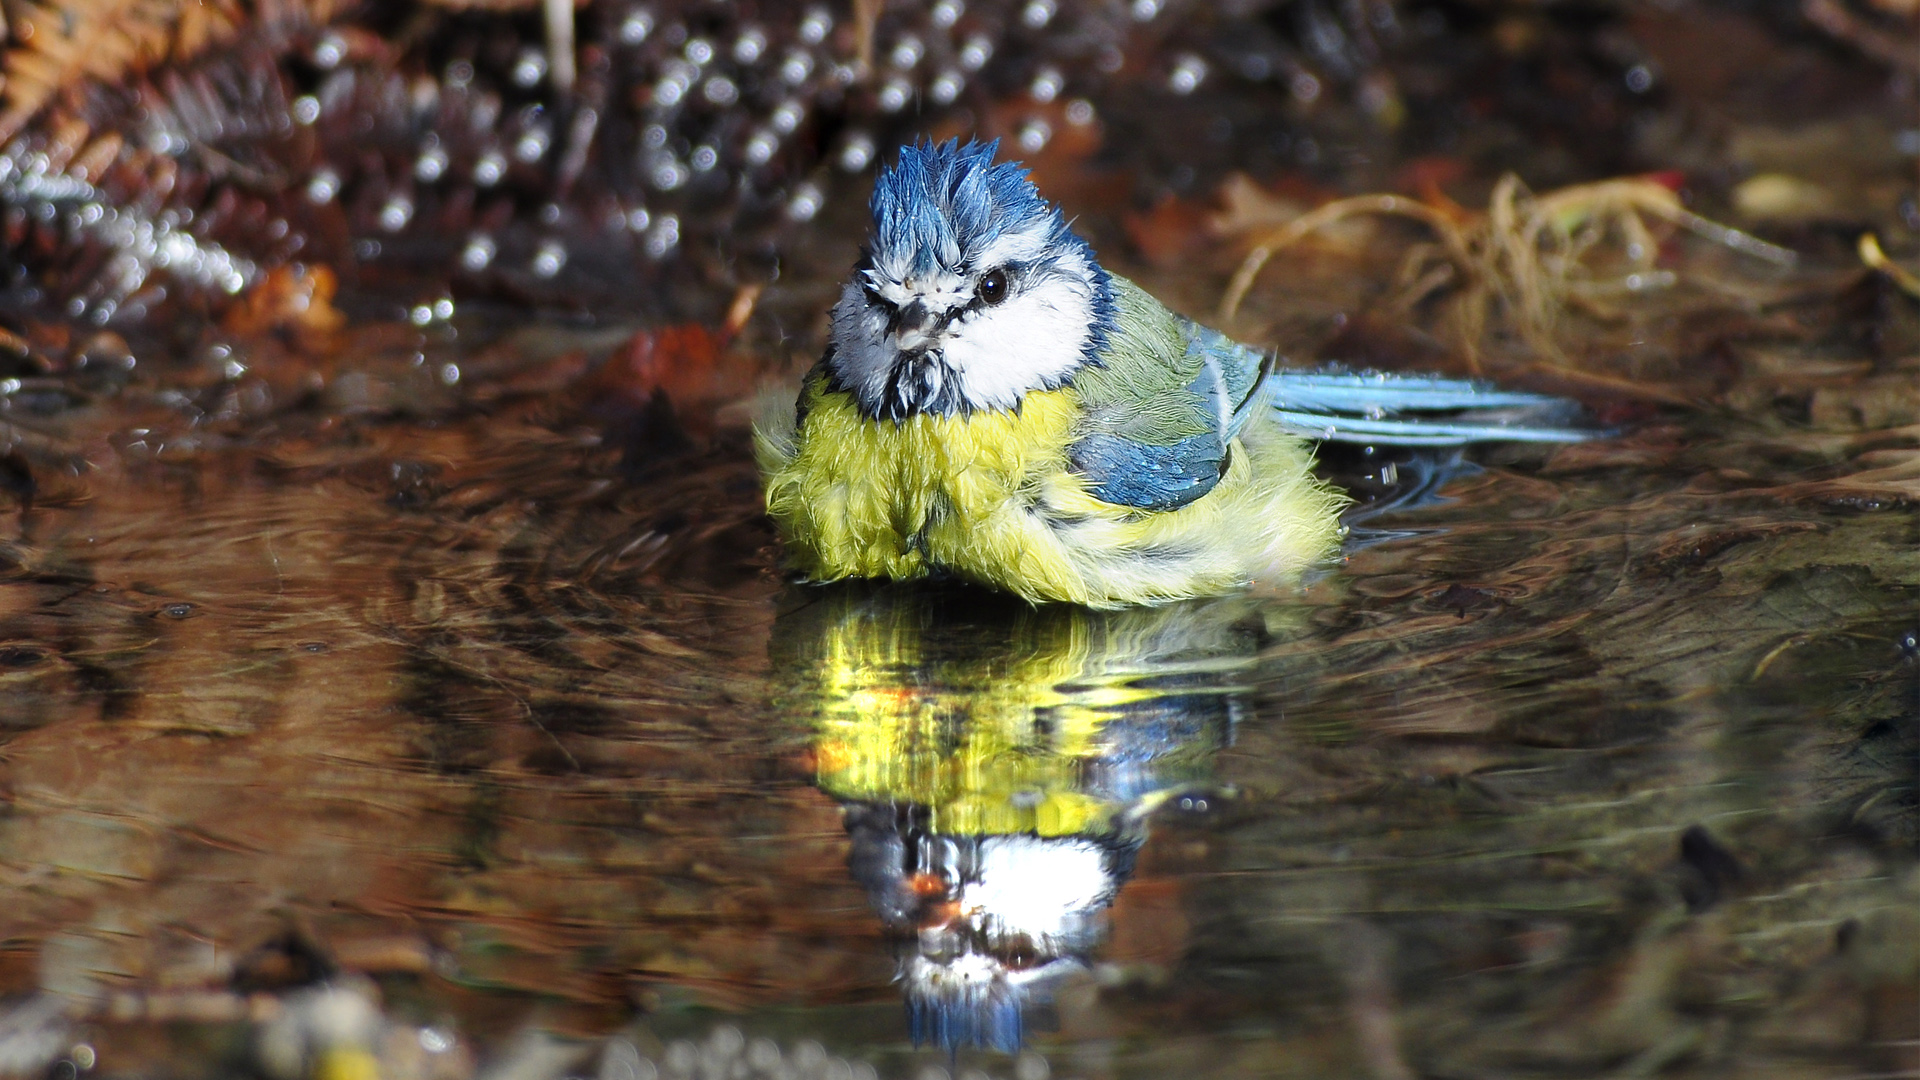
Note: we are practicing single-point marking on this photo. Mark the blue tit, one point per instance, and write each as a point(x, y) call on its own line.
point(993, 405)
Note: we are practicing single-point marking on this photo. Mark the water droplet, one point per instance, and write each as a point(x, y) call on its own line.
point(478, 254)
point(814, 28)
point(1034, 136)
point(760, 148)
point(976, 52)
point(750, 46)
point(323, 186)
point(894, 95)
point(396, 213)
point(532, 145)
point(906, 53)
point(1047, 84)
point(669, 90)
point(806, 202)
point(636, 26)
point(529, 68)
point(490, 169)
point(549, 259)
point(787, 116)
point(858, 152)
point(795, 69)
point(946, 87)
point(330, 50)
point(721, 91)
point(763, 1054)
point(431, 165)
point(1189, 71)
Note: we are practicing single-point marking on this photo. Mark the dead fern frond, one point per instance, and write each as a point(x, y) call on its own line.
point(56, 45)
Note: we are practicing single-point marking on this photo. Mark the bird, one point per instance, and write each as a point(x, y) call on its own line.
point(994, 406)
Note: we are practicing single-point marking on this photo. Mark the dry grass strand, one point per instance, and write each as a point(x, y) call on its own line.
point(1527, 258)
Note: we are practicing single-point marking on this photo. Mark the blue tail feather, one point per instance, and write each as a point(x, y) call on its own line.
point(1417, 410)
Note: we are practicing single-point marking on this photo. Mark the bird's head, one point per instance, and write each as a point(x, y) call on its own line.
point(972, 291)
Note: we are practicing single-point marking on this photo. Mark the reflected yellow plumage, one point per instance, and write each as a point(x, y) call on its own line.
point(989, 496)
point(994, 728)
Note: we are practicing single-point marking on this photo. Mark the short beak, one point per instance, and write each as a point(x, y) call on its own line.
point(910, 325)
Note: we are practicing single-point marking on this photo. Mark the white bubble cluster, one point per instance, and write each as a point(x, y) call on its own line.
point(663, 237)
point(140, 243)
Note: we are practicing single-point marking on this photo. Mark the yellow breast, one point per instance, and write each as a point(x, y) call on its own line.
point(989, 496)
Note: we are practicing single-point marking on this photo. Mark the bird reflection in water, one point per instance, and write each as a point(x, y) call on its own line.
point(997, 765)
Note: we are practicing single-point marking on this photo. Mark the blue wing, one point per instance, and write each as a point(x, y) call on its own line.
point(1213, 389)
point(1416, 410)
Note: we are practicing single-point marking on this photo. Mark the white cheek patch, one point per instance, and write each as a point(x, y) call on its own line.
point(1047, 890)
point(1035, 339)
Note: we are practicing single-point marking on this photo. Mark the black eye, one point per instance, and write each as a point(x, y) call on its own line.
point(993, 287)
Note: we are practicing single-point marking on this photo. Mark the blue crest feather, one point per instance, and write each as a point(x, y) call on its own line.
point(941, 203)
